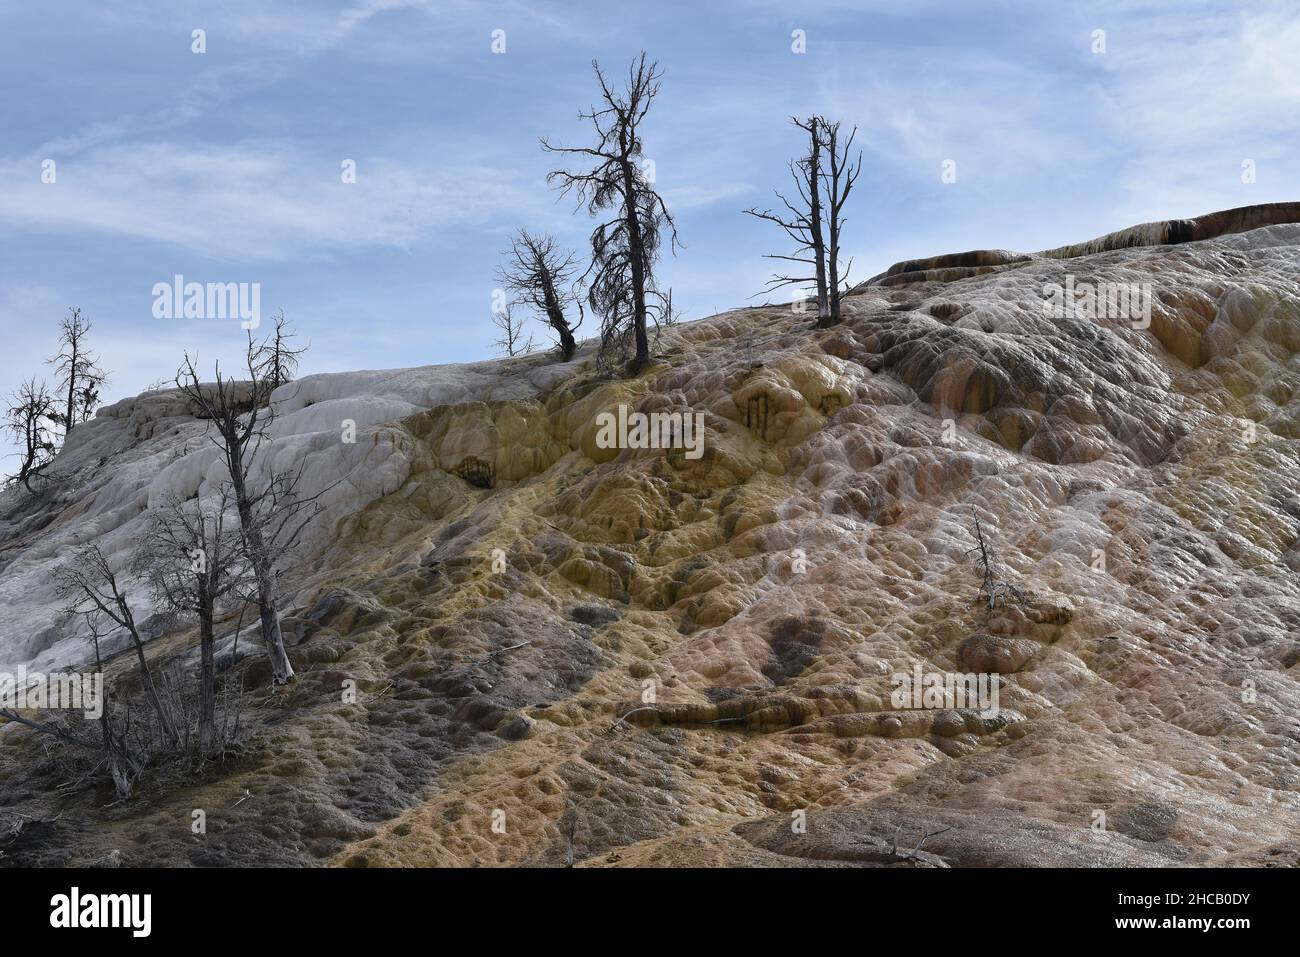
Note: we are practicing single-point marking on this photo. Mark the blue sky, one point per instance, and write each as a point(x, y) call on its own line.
point(225, 166)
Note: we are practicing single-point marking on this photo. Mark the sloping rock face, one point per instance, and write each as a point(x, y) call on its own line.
point(1171, 231)
point(638, 657)
point(979, 262)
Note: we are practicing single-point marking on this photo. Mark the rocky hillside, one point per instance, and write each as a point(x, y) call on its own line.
point(636, 657)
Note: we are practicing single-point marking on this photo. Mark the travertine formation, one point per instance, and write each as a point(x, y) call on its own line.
point(630, 657)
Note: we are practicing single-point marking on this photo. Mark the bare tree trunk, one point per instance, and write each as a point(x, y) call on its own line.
point(165, 722)
point(207, 674)
point(120, 765)
point(568, 344)
point(281, 669)
point(833, 280)
point(636, 249)
point(72, 391)
point(151, 691)
point(833, 223)
point(815, 227)
point(555, 318)
point(844, 173)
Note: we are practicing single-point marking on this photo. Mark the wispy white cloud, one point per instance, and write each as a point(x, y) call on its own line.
point(310, 29)
point(1198, 78)
point(999, 119)
point(251, 201)
point(1192, 93)
point(253, 47)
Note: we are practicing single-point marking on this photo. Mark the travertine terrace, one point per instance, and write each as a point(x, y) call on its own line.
point(1140, 486)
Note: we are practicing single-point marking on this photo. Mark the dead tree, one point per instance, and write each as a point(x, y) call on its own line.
point(123, 766)
point(28, 421)
point(823, 178)
point(79, 374)
point(803, 223)
point(91, 589)
point(191, 558)
point(512, 333)
point(240, 413)
point(570, 831)
point(279, 359)
point(992, 584)
point(625, 248)
point(282, 513)
point(538, 274)
point(916, 850)
point(839, 178)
